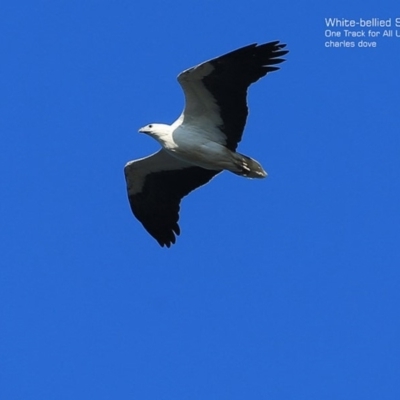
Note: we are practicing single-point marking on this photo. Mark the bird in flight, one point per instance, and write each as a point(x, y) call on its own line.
point(202, 142)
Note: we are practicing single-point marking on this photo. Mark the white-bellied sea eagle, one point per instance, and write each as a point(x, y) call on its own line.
point(202, 142)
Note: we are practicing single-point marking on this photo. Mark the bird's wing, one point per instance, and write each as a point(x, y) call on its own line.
point(216, 90)
point(156, 185)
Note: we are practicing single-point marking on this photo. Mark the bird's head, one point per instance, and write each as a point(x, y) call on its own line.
point(157, 131)
point(148, 129)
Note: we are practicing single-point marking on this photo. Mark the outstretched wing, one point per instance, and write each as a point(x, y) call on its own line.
point(156, 185)
point(216, 90)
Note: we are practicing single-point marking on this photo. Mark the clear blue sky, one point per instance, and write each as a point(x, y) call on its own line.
point(284, 288)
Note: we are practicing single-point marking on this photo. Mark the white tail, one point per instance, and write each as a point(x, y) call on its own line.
point(248, 167)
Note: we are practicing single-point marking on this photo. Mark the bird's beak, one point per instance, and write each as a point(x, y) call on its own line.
point(141, 130)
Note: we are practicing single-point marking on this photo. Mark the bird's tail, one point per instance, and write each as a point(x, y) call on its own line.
point(248, 167)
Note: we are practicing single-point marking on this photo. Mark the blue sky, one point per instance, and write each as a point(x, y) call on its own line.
point(284, 288)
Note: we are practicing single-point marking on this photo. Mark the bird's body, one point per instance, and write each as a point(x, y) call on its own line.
point(202, 141)
point(188, 143)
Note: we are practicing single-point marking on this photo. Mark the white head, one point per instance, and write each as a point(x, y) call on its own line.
point(158, 131)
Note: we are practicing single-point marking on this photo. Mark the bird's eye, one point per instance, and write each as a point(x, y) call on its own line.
point(150, 126)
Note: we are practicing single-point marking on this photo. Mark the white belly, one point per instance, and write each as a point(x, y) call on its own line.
point(199, 150)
